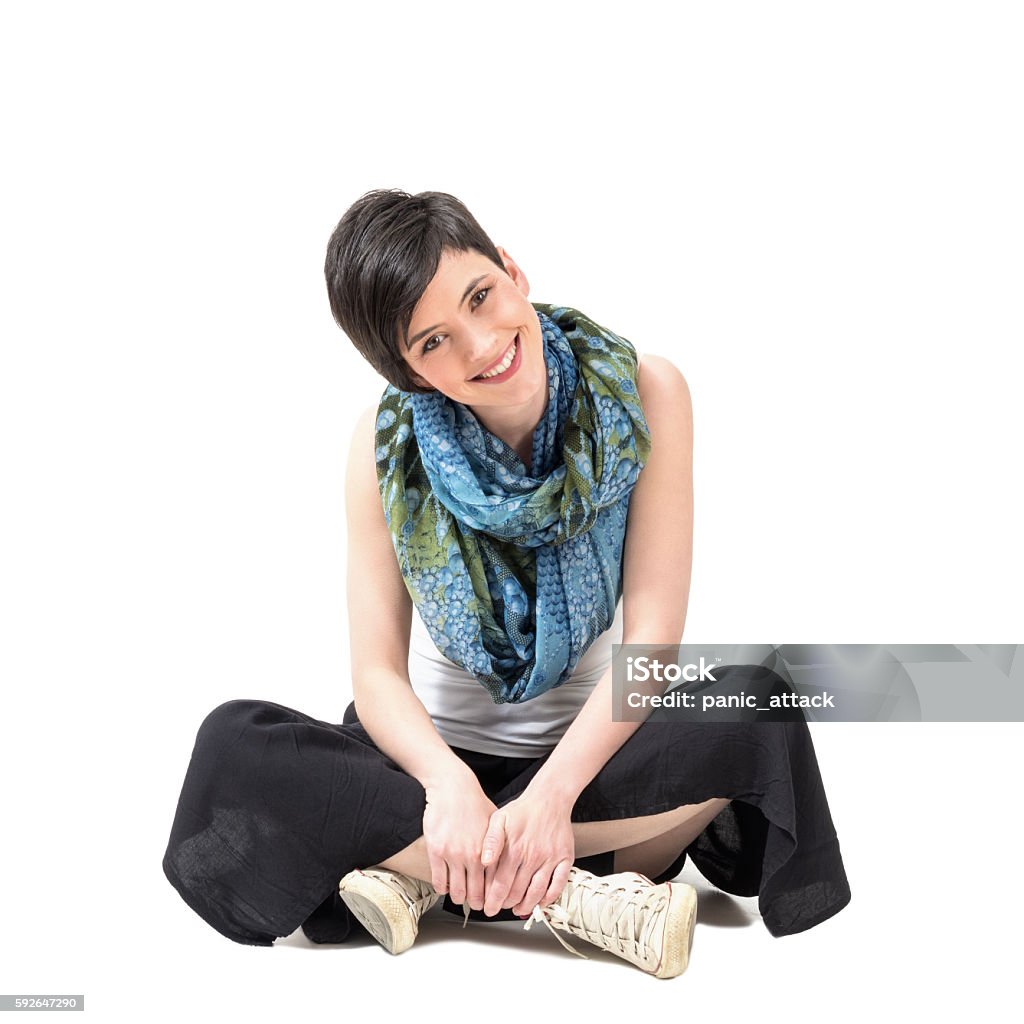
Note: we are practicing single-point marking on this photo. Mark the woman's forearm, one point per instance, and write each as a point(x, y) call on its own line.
point(585, 748)
point(398, 723)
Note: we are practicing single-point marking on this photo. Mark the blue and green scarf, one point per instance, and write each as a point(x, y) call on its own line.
point(516, 573)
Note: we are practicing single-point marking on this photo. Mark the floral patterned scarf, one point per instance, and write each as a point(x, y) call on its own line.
point(516, 573)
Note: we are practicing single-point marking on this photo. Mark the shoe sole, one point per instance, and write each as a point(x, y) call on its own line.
point(681, 919)
point(379, 910)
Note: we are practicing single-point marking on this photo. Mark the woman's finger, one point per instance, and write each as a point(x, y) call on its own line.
point(558, 879)
point(457, 882)
point(494, 840)
point(538, 886)
point(438, 873)
point(475, 884)
point(498, 888)
point(517, 890)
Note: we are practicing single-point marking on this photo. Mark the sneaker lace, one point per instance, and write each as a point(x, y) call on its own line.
point(544, 915)
point(413, 891)
point(620, 915)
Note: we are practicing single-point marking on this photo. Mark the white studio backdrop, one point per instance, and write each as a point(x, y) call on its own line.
point(813, 209)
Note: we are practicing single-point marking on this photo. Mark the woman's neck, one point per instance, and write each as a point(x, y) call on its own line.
point(515, 424)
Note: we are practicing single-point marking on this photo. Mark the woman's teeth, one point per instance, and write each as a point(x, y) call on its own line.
point(504, 364)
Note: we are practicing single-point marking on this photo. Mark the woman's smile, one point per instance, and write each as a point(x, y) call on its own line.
point(505, 367)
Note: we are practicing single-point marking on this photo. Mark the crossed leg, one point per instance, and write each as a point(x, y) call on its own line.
point(654, 855)
point(647, 845)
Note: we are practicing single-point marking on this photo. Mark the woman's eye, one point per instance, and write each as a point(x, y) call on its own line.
point(477, 299)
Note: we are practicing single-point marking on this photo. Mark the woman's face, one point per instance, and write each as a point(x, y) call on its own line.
point(472, 319)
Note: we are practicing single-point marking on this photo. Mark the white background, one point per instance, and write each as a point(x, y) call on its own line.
point(814, 209)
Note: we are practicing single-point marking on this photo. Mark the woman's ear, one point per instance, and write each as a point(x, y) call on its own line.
point(514, 271)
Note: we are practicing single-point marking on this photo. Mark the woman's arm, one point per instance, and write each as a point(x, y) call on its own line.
point(380, 615)
point(657, 561)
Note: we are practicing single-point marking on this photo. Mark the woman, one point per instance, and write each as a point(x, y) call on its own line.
point(525, 484)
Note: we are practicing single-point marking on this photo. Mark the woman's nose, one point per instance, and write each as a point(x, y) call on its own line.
point(482, 346)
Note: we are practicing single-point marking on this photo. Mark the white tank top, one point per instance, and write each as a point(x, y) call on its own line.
point(465, 716)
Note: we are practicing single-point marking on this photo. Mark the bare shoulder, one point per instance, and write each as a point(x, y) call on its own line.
point(659, 531)
point(379, 606)
point(361, 474)
point(664, 395)
point(364, 432)
point(366, 427)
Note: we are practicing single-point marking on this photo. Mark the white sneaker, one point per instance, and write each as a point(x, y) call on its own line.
point(388, 905)
point(649, 925)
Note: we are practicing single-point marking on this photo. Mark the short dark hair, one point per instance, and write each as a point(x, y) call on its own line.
point(380, 259)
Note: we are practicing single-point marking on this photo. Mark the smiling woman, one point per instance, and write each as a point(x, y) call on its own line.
point(518, 499)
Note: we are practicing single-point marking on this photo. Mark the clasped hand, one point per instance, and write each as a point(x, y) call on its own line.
point(517, 856)
point(527, 854)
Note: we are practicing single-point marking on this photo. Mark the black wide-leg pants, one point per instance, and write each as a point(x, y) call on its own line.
point(277, 806)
